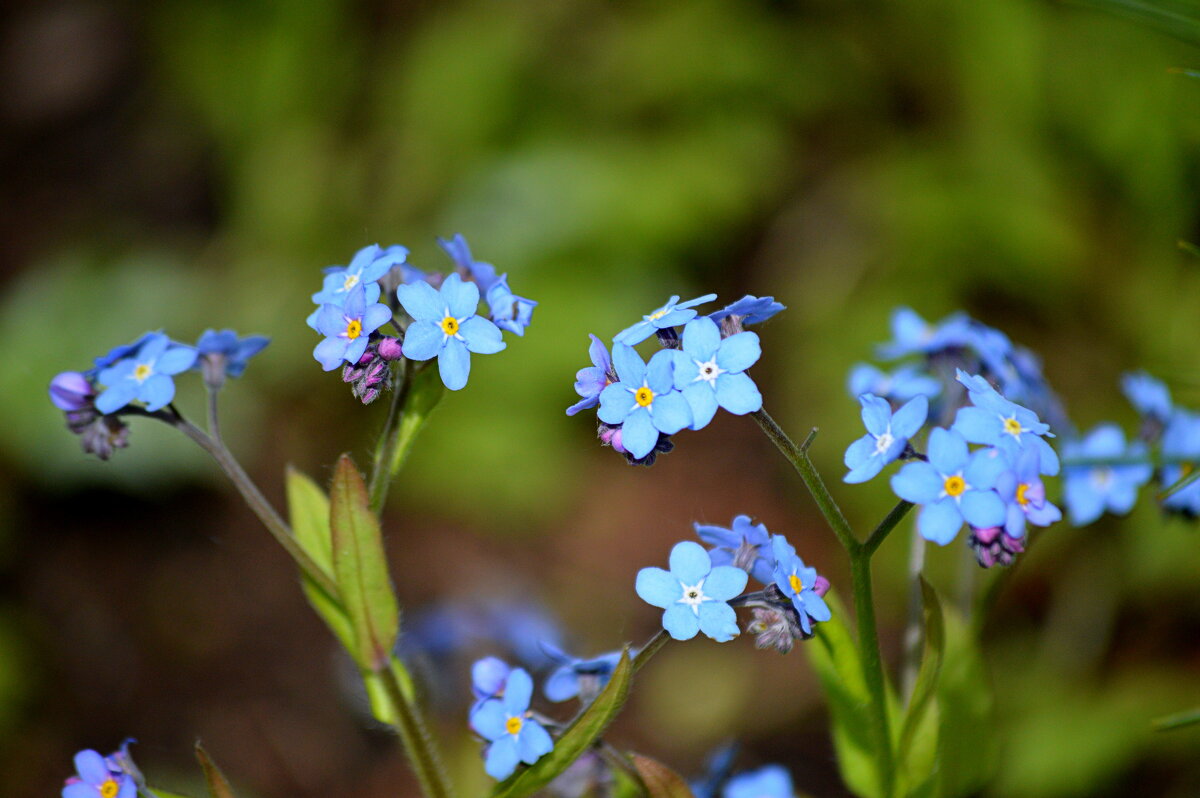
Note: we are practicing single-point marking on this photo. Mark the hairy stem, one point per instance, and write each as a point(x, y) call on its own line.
point(872, 664)
point(385, 451)
point(417, 741)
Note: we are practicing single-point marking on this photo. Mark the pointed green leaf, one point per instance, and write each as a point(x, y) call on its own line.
point(218, 785)
point(578, 737)
point(967, 750)
point(915, 756)
point(658, 779)
point(360, 568)
point(308, 512)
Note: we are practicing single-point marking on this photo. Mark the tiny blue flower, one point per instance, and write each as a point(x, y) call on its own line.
point(771, 781)
point(509, 311)
point(693, 593)
point(906, 382)
point(952, 486)
point(235, 352)
point(672, 314)
point(505, 721)
point(887, 435)
point(578, 677)
point(995, 421)
point(752, 309)
point(1024, 494)
point(144, 375)
point(1092, 489)
point(644, 400)
point(709, 371)
point(797, 581)
point(590, 381)
point(366, 267)
point(347, 328)
point(746, 545)
point(484, 274)
point(445, 326)
point(96, 780)
point(1181, 452)
point(117, 353)
point(911, 334)
point(1149, 396)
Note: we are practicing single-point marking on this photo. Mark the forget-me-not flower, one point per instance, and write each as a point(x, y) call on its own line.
point(1089, 490)
point(902, 384)
point(745, 545)
point(514, 735)
point(445, 325)
point(1150, 397)
point(509, 311)
point(1024, 494)
point(751, 309)
point(1181, 455)
point(366, 267)
point(643, 400)
point(96, 780)
point(952, 487)
point(887, 435)
point(798, 582)
point(693, 593)
point(145, 375)
point(911, 334)
point(995, 421)
point(578, 677)
point(709, 371)
point(347, 328)
point(590, 381)
point(484, 274)
point(233, 352)
point(672, 314)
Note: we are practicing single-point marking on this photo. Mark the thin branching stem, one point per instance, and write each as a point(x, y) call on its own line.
point(418, 742)
point(385, 452)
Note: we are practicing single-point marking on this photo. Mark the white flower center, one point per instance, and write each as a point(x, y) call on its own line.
point(1102, 478)
point(708, 371)
point(693, 596)
point(350, 281)
point(884, 442)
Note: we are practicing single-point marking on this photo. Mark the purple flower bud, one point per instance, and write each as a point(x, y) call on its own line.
point(390, 349)
point(775, 628)
point(821, 586)
point(993, 546)
point(71, 391)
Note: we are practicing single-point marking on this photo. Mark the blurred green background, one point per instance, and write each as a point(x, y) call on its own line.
point(194, 163)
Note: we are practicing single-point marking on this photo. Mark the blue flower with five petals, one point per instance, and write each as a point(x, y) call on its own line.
point(578, 677)
point(96, 780)
point(347, 328)
point(887, 435)
point(234, 352)
point(1024, 494)
point(445, 325)
point(796, 581)
point(590, 381)
point(709, 371)
point(694, 593)
point(954, 485)
point(366, 267)
point(995, 421)
point(145, 374)
point(643, 400)
point(505, 721)
point(745, 545)
point(671, 314)
point(1090, 490)
point(751, 309)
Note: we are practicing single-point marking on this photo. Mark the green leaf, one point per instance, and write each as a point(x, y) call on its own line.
point(967, 751)
point(658, 779)
point(1178, 720)
point(157, 793)
point(381, 701)
point(916, 756)
point(218, 785)
point(834, 657)
point(360, 568)
point(308, 512)
point(578, 738)
point(1178, 18)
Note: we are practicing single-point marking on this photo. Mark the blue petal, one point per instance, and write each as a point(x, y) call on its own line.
point(1049, 458)
point(638, 434)
point(982, 508)
point(489, 718)
point(1014, 521)
point(718, 621)
point(739, 352)
point(815, 606)
point(947, 451)
point(978, 425)
point(702, 400)
point(918, 483)
point(116, 397)
point(910, 418)
point(634, 334)
point(657, 587)
point(329, 353)
point(518, 692)
point(481, 336)
point(628, 363)
point(686, 371)
point(616, 403)
point(91, 767)
point(563, 684)
point(175, 360)
point(864, 470)
point(689, 562)
point(423, 340)
point(670, 412)
point(454, 364)
point(356, 302)
point(660, 377)
point(461, 297)
point(157, 391)
point(680, 622)
point(488, 676)
point(718, 535)
point(984, 469)
point(1083, 502)
point(80, 790)
point(738, 394)
point(534, 742)
point(502, 757)
point(375, 316)
point(154, 346)
point(128, 788)
point(421, 301)
point(876, 414)
point(725, 582)
point(701, 339)
point(355, 349)
point(860, 452)
point(940, 521)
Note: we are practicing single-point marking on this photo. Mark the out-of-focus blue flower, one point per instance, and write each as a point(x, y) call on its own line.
point(771, 781)
point(578, 677)
point(992, 346)
point(693, 593)
point(484, 274)
point(995, 421)
point(1092, 489)
point(746, 545)
point(233, 352)
point(672, 314)
point(71, 391)
point(515, 737)
point(751, 309)
point(906, 382)
point(887, 435)
point(643, 400)
point(911, 334)
point(709, 371)
point(96, 780)
point(590, 381)
point(366, 267)
point(1024, 494)
point(445, 326)
point(1149, 396)
point(347, 328)
point(145, 375)
point(509, 311)
point(954, 485)
point(797, 581)
point(1181, 453)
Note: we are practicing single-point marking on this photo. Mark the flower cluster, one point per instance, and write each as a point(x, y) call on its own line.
point(433, 316)
point(96, 776)
point(701, 368)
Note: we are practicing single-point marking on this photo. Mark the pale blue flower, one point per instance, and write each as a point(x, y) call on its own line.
point(693, 593)
point(672, 314)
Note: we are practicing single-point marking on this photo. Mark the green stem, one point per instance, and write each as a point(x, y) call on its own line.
point(886, 526)
point(416, 739)
point(872, 664)
point(650, 649)
point(385, 452)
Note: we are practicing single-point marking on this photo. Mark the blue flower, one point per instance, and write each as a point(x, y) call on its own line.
point(117, 353)
point(232, 351)
point(906, 382)
point(445, 326)
point(693, 593)
point(746, 545)
point(797, 581)
point(709, 371)
point(578, 677)
point(509, 311)
point(952, 486)
point(144, 375)
point(590, 381)
point(672, 314)
point(1181, 452)
point(643, 400)
point(488, 677)
point(1149, 396)
point(515, 737)
point(1092, 489)
point(484, 274)
point(771, 781)
point(751, 309)
point(911, 334)
point(1024, 494)
point(887, 435)
point(96, 780)
point(347, 328)
point(366, 267)
point(995, 421)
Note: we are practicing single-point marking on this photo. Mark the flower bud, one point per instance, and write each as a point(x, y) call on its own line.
point(994, 546)
point(71, 391)
point(390, 349)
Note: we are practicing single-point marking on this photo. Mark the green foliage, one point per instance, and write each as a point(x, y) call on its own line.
point(218, 785)
point(658, 780)
point(1179, 720)
point(915, 752)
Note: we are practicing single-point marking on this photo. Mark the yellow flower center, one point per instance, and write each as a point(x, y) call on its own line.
point(796, 584)
point(658, 314)
point(142, 371)
point(954, 486)
point(353, 329)
point(109, 788)
point(644, 396)
point(1021, 500)
point(1012, 426)
point(513, 725)
point(450, 325)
